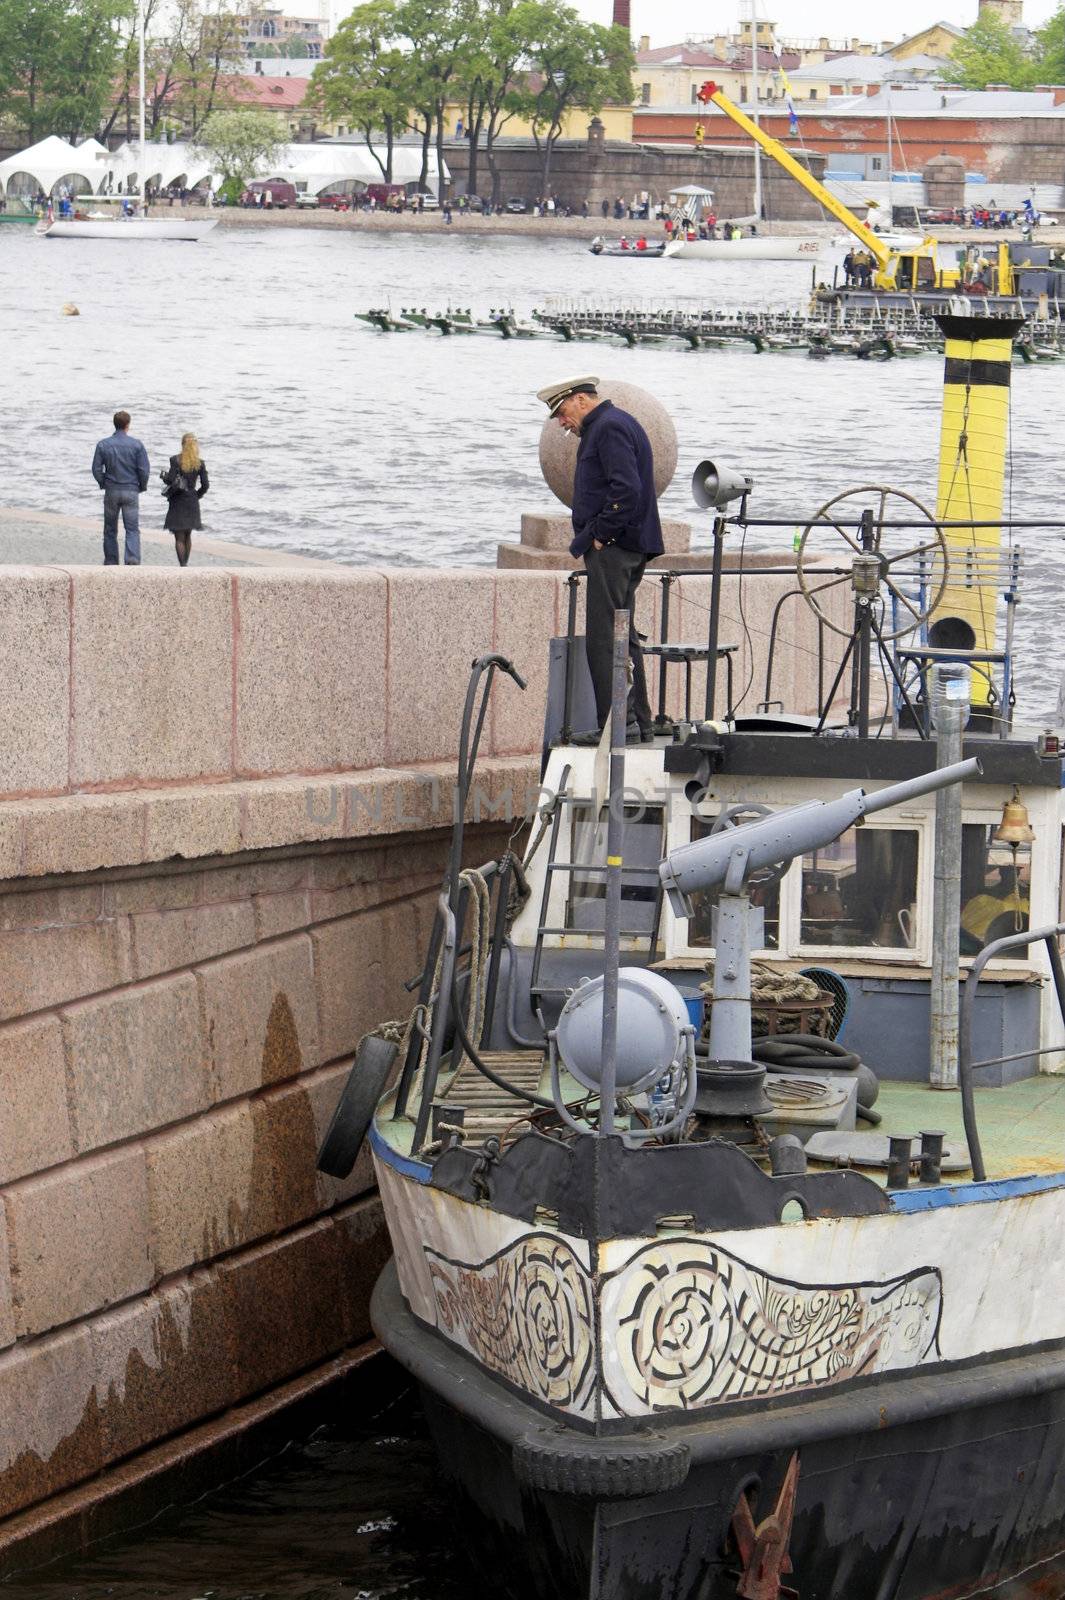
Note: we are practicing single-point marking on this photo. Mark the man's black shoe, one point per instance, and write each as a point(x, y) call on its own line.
point(592, 737)
point(647, 736)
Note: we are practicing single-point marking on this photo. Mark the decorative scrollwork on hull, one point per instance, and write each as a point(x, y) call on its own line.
point(687, 1325)
point(526, 1313)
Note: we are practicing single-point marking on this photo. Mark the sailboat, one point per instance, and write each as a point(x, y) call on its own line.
point(750, 247)
point(122, 226)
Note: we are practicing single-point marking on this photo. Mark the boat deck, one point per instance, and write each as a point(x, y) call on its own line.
point(1021, 1125)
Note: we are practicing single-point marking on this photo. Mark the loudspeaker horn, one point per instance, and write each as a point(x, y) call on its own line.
point(713, 486)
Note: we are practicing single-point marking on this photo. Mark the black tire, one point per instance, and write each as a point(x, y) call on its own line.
point(356, 1106)
point(601, 1469)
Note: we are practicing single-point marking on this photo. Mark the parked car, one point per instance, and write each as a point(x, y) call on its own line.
point(516, 204)
point(334, 202)
point(428, 202)
point(281, 194)
point(306, 201)
point(951, 217)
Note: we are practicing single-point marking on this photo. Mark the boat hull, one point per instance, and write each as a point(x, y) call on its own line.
point(130, 229)
point(959, 1493)
point(784, 248)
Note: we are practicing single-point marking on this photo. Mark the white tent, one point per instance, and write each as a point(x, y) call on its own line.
point(49, 161)
point(314, 167)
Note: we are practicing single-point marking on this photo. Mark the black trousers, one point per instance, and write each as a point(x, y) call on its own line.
point(613, 579)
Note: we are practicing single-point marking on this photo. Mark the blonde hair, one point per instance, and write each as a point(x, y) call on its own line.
point(190, 453)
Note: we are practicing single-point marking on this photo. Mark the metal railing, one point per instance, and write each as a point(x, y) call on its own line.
point(966, 1065)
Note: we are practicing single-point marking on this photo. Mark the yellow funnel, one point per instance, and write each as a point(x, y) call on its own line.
point(972, 459)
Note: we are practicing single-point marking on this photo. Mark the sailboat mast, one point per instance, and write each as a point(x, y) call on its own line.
point(890, 201)
point(141, 158)
point(754, 115)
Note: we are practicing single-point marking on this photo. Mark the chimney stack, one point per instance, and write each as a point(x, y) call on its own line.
point(622, 15)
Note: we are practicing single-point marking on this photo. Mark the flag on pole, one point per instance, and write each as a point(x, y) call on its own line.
point(793, 119)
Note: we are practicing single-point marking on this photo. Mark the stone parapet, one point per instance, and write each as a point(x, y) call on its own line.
point(224, 805)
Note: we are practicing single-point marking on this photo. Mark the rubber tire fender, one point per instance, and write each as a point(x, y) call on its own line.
point(601, 1468)
point(355, 1108)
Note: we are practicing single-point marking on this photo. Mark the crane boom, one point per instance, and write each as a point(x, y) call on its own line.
point(875, 246)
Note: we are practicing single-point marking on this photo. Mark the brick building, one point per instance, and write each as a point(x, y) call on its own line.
point(1005, 135)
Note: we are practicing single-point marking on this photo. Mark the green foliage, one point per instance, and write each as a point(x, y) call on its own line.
point(364, 80)
point(1050, 49)
point(991, 53)
point(238, 143)
point(57, 64)
point(573, 64)
point(396, 64)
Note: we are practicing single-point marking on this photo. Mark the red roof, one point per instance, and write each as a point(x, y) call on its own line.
point(281, 94)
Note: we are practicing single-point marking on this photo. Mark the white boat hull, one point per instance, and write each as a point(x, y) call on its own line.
point(782, 248)
point(128, 228)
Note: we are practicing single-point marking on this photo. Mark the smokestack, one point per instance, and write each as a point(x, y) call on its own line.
point(622, 15)
point(972, 462)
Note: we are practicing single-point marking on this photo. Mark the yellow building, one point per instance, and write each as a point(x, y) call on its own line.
point(937, 40)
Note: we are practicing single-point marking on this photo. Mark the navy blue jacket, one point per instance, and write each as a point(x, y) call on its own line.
point(121, 462)
point(614, 500)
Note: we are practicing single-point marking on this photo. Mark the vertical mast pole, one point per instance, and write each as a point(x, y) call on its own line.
point(754, 118)
point(615, 842)
point(141, 158)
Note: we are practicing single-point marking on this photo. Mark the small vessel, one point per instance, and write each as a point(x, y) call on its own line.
point(15, 211)
point(97, 225)
point(751, 247)
point(681, 1329)
point(630, 249)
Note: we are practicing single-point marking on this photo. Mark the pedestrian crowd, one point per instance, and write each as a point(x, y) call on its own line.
point(121, 468)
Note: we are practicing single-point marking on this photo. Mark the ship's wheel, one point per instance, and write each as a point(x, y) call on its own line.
point(903, 567)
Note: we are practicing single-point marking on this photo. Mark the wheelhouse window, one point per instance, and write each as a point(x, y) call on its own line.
point(642, 850)
point(995, 888)
point(700, 927)
point(860, 892)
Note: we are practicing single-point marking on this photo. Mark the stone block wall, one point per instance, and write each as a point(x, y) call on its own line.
point(224, 804)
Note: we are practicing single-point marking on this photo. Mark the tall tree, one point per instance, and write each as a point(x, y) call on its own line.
point(574, 65)
point(1050, 49)
point(991, 53)
point(206, 54)
point(239, 143)
point(488, 78)
point(364, 82)
point(57, 64)
point(440, 34)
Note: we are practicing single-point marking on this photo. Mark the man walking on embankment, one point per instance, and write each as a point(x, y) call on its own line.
point(120, 467)
point(616, 529)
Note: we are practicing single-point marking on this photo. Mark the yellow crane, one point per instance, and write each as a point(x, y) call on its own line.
point(916, 267)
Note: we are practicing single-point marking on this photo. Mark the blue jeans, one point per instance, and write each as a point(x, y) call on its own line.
point(128, 502)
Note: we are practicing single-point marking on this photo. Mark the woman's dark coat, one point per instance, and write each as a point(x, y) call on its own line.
point(183, 508)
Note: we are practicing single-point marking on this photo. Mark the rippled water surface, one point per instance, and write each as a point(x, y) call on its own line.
point(329, 439)
point(354, 1513)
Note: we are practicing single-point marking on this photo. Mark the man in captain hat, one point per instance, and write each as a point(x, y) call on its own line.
point(615, 528)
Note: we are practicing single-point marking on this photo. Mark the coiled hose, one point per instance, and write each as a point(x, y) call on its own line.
point(805, 1052)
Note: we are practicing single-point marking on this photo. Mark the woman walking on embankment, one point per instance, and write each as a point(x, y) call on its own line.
point(186, 484)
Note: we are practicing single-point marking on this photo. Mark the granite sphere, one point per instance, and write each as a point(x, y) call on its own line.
point(558, 449)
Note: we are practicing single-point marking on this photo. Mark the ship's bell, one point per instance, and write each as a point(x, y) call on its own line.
point(1014, 829)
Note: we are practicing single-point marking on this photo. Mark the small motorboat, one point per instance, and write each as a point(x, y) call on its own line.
point(632, 249)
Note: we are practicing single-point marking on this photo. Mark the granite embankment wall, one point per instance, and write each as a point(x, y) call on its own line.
point(223, 804)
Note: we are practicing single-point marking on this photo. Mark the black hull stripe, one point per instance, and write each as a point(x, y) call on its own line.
point(977, 374)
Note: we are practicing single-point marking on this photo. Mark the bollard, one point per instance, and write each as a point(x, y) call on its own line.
point(898, 1172)
point(931, 1155)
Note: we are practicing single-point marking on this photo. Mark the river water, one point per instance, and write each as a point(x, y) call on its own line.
point(355, 1512)
point(326, 438)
